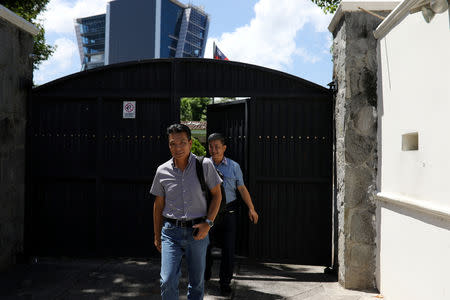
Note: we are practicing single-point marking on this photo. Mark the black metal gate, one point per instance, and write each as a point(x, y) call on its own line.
point(89, 169)
point(285, 146)
point(231, 118)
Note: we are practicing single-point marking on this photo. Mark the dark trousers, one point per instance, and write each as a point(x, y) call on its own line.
point(224, 236)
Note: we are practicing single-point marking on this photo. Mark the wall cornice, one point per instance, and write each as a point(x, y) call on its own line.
point(346, 6)
point(395, 17)
point(415, 204)
point(20, 22)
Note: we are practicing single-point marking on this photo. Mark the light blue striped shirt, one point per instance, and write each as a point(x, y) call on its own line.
point(183, 195)
point(232, 177)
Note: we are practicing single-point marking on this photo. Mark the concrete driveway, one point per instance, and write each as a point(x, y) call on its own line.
point(128, 278)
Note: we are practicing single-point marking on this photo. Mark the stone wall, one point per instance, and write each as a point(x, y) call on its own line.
point(16, 73)
point(355, 72)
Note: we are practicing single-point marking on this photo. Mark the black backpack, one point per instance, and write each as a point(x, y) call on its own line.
point(201, 178)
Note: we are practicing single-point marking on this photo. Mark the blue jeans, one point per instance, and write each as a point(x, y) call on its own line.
point(176, 242)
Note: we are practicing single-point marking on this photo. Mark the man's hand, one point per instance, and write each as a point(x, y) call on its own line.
point(203, 229)
point(253, 216)
point(157, 220)
point(158, 243)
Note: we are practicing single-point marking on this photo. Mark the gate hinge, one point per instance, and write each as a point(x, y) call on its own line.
point(333, 86)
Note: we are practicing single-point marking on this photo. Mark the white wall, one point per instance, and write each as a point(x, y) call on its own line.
point(416, 98)
point(414, 217)
point(415, 255)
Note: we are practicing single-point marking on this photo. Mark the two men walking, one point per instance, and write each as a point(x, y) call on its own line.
point(182, 219)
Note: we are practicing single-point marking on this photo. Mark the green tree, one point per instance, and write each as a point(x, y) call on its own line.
point(185, 110)
point(197, 147)
point(193, 109)
point(29, 10)
point(328, 6)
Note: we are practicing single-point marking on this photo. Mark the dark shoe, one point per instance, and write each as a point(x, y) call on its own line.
point(225, 289)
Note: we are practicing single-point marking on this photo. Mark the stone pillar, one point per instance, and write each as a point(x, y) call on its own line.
point(16, 73)
point(355, 73)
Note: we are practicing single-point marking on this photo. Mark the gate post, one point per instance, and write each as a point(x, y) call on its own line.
point(16, 73)
point(355, 73)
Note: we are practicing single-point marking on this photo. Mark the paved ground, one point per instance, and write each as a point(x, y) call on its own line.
point(126, 278)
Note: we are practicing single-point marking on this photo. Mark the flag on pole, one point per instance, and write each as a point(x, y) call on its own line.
point(217, 53)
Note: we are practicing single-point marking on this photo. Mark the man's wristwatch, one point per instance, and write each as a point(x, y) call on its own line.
point(209, 222)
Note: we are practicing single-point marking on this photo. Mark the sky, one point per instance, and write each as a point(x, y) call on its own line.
point(285, 35)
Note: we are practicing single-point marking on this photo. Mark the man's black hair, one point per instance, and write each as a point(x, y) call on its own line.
point(216, 136)
point(178, 128)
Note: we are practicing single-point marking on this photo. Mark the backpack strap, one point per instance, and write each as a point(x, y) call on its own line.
point(200, 174)
point(201, 178)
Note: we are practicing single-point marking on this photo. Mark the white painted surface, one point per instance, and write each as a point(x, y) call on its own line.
point(414, 96)
point(415, 255)
point(395, 17)
point(415, 204)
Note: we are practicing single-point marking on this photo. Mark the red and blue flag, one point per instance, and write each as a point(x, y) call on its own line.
point(218, 54)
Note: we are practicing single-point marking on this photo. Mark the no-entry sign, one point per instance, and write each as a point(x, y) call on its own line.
point(129, 109)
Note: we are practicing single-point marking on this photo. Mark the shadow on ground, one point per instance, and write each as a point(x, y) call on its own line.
point(130, 278)
point(283, 272)
point(82, 279)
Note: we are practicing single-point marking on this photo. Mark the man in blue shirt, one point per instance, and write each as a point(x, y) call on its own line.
point(225, 233)
point(181, 220)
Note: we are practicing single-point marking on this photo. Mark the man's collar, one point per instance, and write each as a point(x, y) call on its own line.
point(224, 161)
point(190, 158)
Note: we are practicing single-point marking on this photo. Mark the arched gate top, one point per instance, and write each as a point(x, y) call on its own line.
point(181, 77)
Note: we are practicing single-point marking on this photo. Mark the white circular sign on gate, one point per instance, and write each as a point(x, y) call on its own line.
point(129, 109)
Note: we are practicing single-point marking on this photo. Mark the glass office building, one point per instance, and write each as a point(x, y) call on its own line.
point(193, 32)
point(142, 29)
point(91, 40)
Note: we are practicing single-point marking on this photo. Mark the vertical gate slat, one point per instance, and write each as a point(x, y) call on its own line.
point(99, 159)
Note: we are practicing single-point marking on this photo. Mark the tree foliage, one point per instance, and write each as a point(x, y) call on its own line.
point(185, 110)
point(193, 109)
point(197, 147)
point(328, 6)
point(29, 10)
